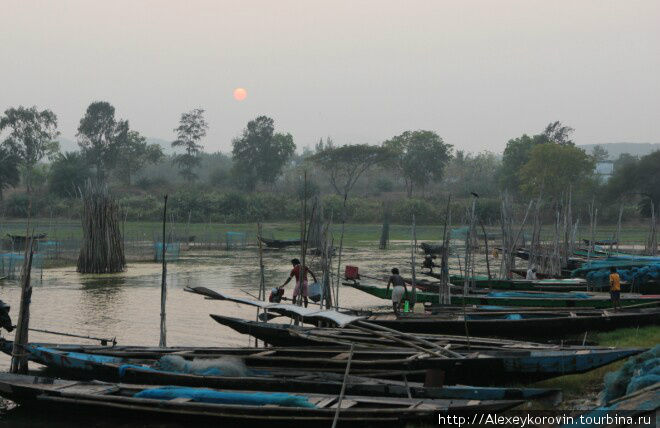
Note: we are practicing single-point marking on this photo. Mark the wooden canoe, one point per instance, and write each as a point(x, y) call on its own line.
point(478, 368)
point(278, 243)
point(197, 405)
point(113, 367)
point(529, 299)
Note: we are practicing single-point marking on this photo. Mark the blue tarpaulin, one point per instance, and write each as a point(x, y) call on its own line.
point(539, 295)
point(205, 395)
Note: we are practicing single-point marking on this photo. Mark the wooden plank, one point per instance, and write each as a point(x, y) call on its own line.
point(345, 404)
point(323, 403)
point(180, 400)
point(263, 354)
point(342, 356)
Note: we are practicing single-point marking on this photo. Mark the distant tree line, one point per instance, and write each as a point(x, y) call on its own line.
point(261, 178)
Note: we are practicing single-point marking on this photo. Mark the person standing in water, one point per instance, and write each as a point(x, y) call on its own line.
point(299, 289)
point(399, 289)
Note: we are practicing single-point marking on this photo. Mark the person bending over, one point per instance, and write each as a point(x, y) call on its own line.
point(300, 290)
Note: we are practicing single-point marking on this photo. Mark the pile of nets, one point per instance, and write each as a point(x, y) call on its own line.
point(224, 366)
point(638, 372)
point(634, 275)
point(204, 395)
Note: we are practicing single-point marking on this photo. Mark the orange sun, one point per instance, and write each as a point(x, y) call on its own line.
point(240, 94)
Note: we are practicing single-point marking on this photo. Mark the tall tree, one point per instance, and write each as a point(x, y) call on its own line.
point(260, 153)
point(553, 168)
point(599, 153)
point(101, 136)
point(135, 153)
point(31, 136)
point(638, 179)
point(556, 132)
point(420, 156)
point(192, 128)
point(345, 164)
point(68, 174)
point(9, 175)
point(516, 154)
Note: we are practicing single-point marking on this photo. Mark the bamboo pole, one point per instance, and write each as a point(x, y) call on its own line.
point(445, 298)
point(19, 361)
point(341, 246)
point(163, 284)
point(343, 386)
point(483, 229)
point(413, 250)
point(618, 227)
point(303, 227)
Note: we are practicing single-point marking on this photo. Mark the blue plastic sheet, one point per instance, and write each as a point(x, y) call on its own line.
point(204, 395)
point(539, 295)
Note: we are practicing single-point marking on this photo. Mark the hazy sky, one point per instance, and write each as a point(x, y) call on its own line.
point(477, 72)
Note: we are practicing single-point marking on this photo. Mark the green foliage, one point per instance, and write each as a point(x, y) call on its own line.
point(384, 185)
point(599, 154)
point(639, 180)
point(135, 153)
point(101, 137)
point(307, 190)
point(68, 173)
point(18, 205)
point(516, 155)
point(192, 128)
point(420, 156)
point(473, 173)
point(346, 164)
point(260, 154)
point(9, 174)
point(557, 133)
point(219, 176)
point(553, 168)
point(31, 137)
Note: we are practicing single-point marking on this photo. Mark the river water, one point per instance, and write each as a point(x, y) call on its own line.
point(126, 306)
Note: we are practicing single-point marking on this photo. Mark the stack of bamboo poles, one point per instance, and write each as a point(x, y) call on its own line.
point(102, 248)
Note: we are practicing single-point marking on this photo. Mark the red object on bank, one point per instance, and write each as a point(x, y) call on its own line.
point(351, 272)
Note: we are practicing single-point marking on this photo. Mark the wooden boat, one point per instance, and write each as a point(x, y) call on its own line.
point(600, 242)
point(114, 364)
point(278, 243)
point(533, 325)
point(431, 248)
point(594, 300)
point(548, 284)
point(17, 239)
point(194, 405)
point(478, 367)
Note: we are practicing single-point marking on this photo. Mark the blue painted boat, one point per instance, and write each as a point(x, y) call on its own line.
point(82, 365)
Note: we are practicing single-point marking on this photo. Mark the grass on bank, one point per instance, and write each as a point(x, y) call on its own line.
point(354, 234)
point(581, 385)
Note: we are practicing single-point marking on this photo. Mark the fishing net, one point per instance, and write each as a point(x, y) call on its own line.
point(638, 372)
point(224, 366)
point(637, 275)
